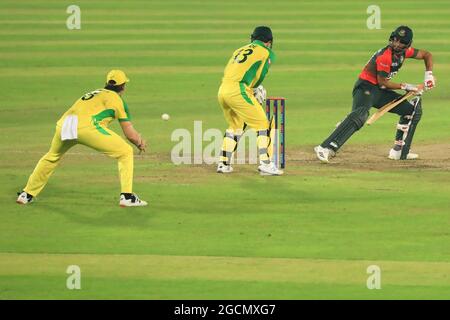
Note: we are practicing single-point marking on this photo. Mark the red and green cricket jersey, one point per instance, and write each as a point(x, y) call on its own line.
point(385, 63)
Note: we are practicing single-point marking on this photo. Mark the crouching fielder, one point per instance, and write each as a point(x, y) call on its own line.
point(86, 123)
point(246, 70)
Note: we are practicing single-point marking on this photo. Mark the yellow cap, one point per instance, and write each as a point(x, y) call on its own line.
point(118, 76)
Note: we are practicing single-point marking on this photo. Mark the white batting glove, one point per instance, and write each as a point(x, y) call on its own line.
point(429, 81)
point(411, 87)
point(260, 94)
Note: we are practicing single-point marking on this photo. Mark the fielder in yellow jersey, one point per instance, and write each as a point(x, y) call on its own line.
point(245, 71)
point(86, 122)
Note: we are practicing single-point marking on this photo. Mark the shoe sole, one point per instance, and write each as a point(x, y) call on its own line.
point(23, 203)
point(123, 206)
point(395, 159)
point(263, 173)
point(269, 174)
point(319, 158)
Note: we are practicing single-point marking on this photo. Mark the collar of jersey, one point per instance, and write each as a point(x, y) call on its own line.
point(261, 44)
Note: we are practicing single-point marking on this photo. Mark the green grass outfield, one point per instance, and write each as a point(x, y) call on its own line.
point(309, 234)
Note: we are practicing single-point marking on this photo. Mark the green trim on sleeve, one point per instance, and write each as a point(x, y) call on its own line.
point(244, 93)
point(272, 56)
point(127, 111)
point(123, 120)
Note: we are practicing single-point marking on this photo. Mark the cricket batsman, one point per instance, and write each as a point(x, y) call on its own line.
point(86, 123)
point(374, 88)
point(245, 72)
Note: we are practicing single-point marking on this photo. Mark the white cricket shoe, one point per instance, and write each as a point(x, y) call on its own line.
point(133, 201)
point(395, 155)
point(324, 154)
point(223, 168)
point(24, 198)
point(269, 169)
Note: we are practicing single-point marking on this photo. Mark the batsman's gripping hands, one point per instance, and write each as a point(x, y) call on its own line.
point(260, 94)
point(417, 89)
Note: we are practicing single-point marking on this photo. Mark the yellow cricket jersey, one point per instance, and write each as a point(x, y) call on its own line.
point(98, 108)
point(249, 64)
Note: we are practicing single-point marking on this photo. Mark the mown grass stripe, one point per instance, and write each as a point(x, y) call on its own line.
point(228, 268)
point(44, 43)
point(336, 23)
point(182, 53)
point(152, 31)
point(196, 12)
point(63, 71)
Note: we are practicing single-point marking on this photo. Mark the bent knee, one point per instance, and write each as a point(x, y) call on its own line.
point(418, 113)
point(128, 150)
point(124, 152)
point(52, 157)
point(359, 117)
point(261, 124)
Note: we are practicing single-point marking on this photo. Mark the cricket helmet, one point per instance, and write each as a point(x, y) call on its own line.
point(262, 33)
point(404, 34)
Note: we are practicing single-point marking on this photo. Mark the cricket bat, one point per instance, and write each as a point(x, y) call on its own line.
point(389, 106)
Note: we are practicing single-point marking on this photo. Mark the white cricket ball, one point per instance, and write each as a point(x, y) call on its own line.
point(165, 117)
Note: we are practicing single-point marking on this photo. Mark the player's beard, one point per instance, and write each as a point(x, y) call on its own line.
point(398, 52)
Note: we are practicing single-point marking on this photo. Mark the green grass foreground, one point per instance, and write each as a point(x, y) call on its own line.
point(310, 234)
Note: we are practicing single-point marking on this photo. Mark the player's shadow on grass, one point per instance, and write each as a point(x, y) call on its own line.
point(96, 211)
point(123, 217)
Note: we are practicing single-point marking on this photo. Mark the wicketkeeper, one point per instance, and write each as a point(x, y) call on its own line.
point(86, 122)
point(374, 88)
point(242, 79)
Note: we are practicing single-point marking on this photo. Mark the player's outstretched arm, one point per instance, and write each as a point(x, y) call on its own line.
point(427, 57)
point(384, 82)
point(388, 84)
point(133, 136)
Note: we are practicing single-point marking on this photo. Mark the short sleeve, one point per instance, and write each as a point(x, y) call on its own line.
point(120, 108)
point(383, 65)
point(411, 52)
point(123, 113)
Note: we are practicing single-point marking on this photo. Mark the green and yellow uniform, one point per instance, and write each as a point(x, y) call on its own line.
point(93, 111)
point(245, 70)
point(98, 108)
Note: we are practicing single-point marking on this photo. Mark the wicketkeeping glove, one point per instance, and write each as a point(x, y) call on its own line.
point(260, 94)
point(429, 81)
